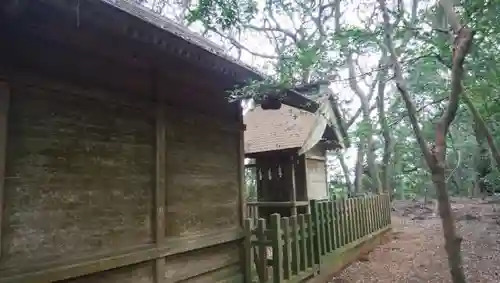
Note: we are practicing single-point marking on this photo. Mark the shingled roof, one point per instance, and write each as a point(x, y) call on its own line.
point(293, 128)
point(268, 130)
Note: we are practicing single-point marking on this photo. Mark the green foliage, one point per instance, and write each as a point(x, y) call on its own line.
point(225, 14)
point(306, 51)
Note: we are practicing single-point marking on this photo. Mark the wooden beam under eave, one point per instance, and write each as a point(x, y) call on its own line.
point(4, 115)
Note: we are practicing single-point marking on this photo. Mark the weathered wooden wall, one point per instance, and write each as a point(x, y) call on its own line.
point(101, 183)
point(316, 171)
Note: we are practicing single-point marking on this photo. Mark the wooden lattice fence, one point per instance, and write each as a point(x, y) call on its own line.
point(291, 249)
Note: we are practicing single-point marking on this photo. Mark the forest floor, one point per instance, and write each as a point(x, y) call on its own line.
point(415, 252)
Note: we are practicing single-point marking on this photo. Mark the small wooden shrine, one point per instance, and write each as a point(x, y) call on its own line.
point(287, 147)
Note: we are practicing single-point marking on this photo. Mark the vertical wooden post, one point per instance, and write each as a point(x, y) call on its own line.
point(345, 230)
point(160, 182)
point(247, 245)
point(4, 113)
point(389, 210)
point(317, 231)
point(261, 265)
point(331, 226)
point(349, 220)
point(287, 258)
point(321, 221)
point(336, 222)
point(294, 188)
point(380, 212)
point(356, 218)
point(310, 240)
point(241, 171)
point(295, 244)
point(363, 216)
point(303, 242)
point(372, 214)
point(375, 214)
point(360, 217)
point(366, 215)
point(345, 220)
point(340, 213)
point(326, 227)
point(277, 248)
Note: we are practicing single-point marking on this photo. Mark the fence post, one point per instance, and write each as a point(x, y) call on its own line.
point(247, 245)
point(377, 212)
point(310, 240)
point(377, 215)
point(295, 244)
point(389, 210)
point(276, 243)
point(322, 227)
point(261, 260)
point(331, 226)
point(360, 218)
point(336, 223)
point(345, 221)
point(380, 211)
point(285, 224)
point(363, 216)
point(303, 243)
point(356, 218)
point(372, 214)
point(340, 206)
point(351, 219)
point(316, 230)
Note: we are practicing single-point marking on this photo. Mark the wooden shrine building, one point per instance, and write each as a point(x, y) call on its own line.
point(121, 160)
point(287, 147)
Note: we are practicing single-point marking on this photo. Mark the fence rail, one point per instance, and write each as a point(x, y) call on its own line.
point(290, 249)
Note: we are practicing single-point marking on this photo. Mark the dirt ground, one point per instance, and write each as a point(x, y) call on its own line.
point(416, 251)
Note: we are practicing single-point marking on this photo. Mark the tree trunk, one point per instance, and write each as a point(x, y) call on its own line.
point(345, 170)
point(436, 158)
point(482, 160)
point(370, 157)
point(366, 123)
point(457, 171)
point(452, 241)
point(358, 171)
point(398, 168)
point(483, 129)
point(386, 173)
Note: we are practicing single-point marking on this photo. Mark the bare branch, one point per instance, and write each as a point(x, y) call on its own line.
point(401, 85)
point(420, 109)
point(278, 28)
point(451, 16)
point(237, 44)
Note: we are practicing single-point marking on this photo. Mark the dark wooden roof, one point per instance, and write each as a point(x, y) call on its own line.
point(122, 18)
point(127, 20)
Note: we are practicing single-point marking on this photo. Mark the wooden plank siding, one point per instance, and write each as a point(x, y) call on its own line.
point(84, 189)
point(119, 166)
point(316, 171)
point(81, 189)
point(4, 116)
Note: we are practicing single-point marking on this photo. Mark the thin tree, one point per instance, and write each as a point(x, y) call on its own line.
point(435, 156)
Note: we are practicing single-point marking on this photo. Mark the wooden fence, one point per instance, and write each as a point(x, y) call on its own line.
point(291, 249)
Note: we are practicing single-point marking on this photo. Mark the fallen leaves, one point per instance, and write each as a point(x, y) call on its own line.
point(416, 252)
